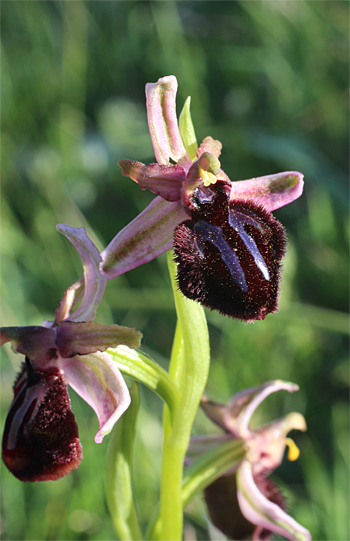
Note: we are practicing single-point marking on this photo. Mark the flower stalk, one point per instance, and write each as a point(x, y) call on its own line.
point(189, 367)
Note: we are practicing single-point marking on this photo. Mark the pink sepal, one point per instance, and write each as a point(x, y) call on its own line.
point(145, 238)
point(162, 121)
point(210, 145)
point(271, 191)
point(36, 342)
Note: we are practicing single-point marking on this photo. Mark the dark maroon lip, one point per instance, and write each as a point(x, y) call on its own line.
point(41, 440)
point(228, 254)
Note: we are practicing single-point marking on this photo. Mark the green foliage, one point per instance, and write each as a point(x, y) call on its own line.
point(268, 79)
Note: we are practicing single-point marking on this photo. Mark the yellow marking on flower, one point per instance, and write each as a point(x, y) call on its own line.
point(208, 178)
point(293, 450)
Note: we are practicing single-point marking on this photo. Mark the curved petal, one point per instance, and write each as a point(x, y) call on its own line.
point(163, 180)
point(72, 295)
point(262, 512)
point(97, 379)
point(242, 405)
point(145, 238)
point(271, 191)
point(162, 121)
point(94, 281)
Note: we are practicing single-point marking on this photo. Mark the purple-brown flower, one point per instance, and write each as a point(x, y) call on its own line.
point(245, 502)
point(227, 245)
point(41, 440)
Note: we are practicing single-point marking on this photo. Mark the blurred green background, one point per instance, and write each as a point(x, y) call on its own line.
point(270, 80)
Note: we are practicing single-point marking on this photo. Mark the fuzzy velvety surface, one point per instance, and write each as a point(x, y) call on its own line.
point(41, 440)
point(217, 263)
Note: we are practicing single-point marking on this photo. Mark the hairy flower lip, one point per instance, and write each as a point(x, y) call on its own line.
point(41, 440)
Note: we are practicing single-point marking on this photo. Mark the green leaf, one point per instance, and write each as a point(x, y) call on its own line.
point(144, 370)
point(210, 466)
point(118, 473)
point(187, 132)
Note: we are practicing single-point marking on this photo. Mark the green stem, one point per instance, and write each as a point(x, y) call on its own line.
point(118, 473)
point(189, 367)
point(202, 472)
point(172, 462)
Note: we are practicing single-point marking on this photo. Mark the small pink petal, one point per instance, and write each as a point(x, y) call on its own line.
point(210, 145)
point(163, 180)
point(145, 238)
point(214, 147)
point(94, 282)
point(267, 448)
point(97, 379)
point(271, 191)
point(72, 295)
point(162, 121)
point(260, 511)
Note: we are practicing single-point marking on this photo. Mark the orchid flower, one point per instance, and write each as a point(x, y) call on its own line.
point(227, 244)
point(41, 440)
point(245, 501)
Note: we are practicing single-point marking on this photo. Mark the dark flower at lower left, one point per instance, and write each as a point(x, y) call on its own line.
point(41, 440)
